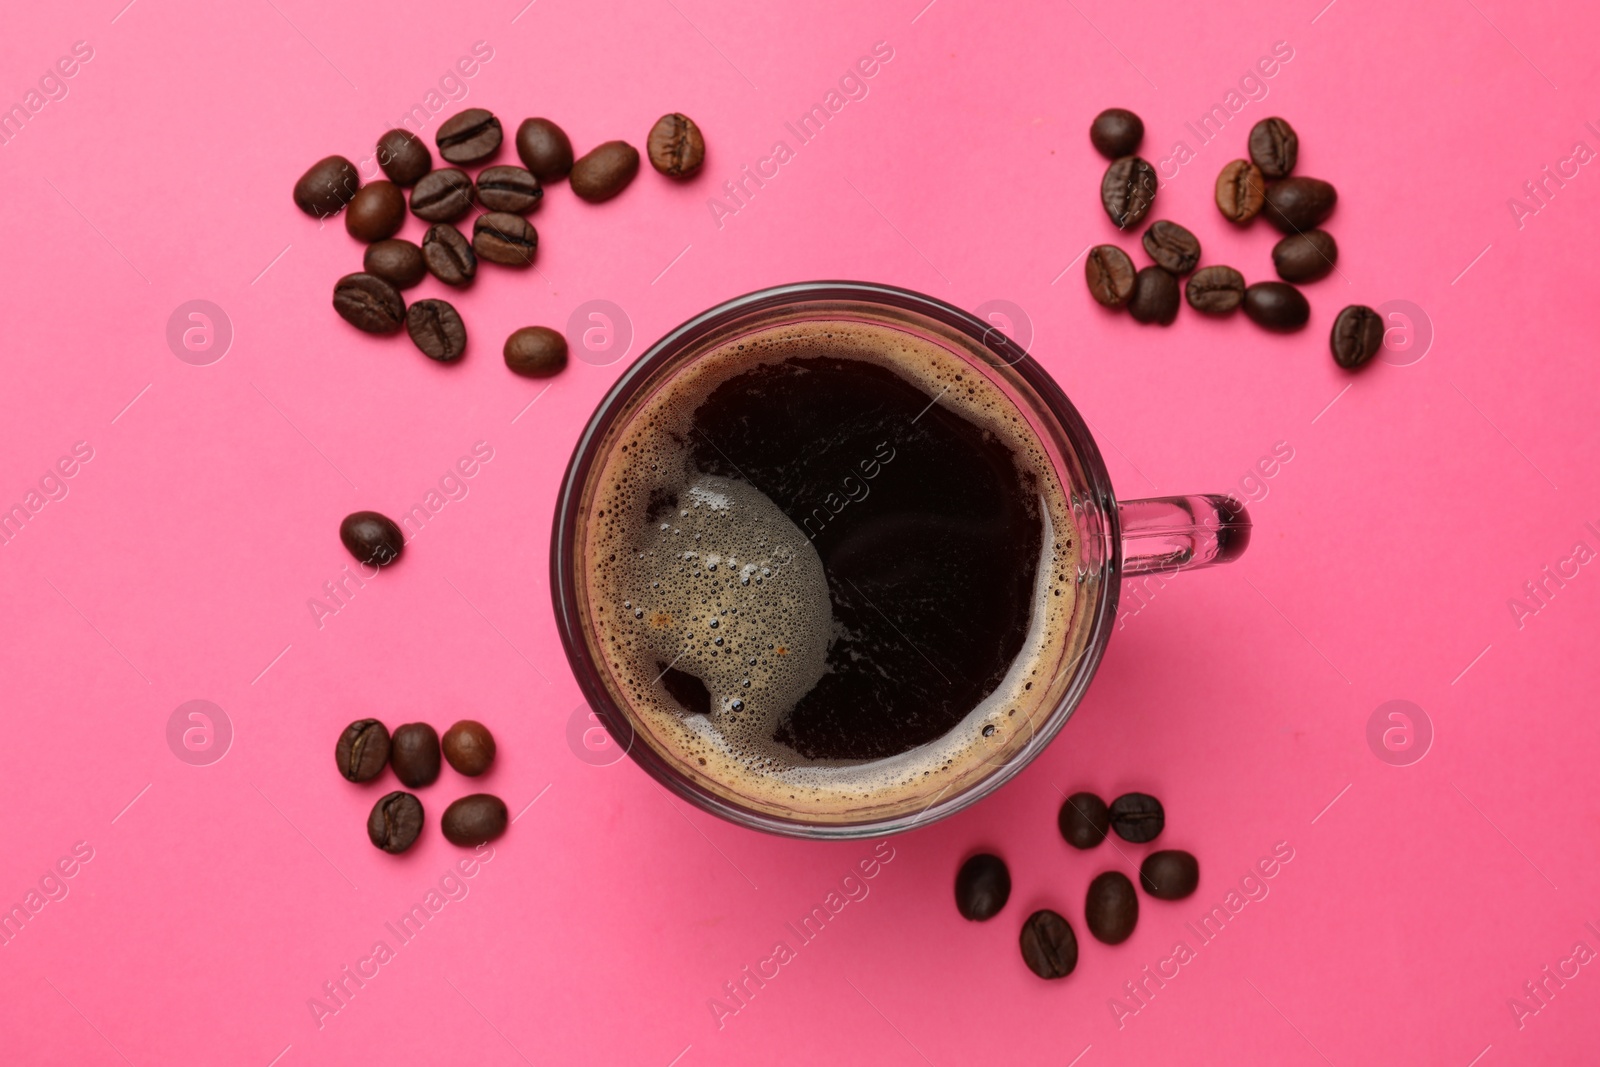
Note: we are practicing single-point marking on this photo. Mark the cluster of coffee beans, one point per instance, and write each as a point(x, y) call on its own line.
point(1261, 185)
point(502, 196)
point(1111, 909)
point(366, 746)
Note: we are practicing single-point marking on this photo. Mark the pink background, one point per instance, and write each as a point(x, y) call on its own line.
point(220, 898)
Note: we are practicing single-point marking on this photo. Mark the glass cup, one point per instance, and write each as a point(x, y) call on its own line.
point(1117, 539)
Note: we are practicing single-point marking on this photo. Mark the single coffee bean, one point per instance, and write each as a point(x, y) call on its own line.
point(395, 822)
point(1216, 290)
point(376, 212)
point(468, 747)
point(1276, 306)
point(509, 189)
point(1241, 190)
point(536, 352)
point(327, 187)
point(449, 255)
point(604, 171)
point(1127, 191)
point(1298, 204)
point(397, 261)
point(1049, 947)
point(469, 136)
point(1110, 274)
point(363, 750)
point(414, 754)
point(372, 538)
point(1171, 874)
point(983, 885)
point(1174, 248)
point(1116, 132)
point(1274, 147)
point(369, 303)
point(1084, 820)
point(544, 149)
point(1155, 297)
point(1357, 336)
point(442, 195)
point(1112, 908)
point(474, 819)
point(504, 238)
point(676, 146)
point(1305, 257)
point(436, 328)
point(403, 157)
point(1137, 817)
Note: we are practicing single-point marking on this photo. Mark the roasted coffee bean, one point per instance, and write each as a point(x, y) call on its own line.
point(1174, 248)
point(1241, 190)
point(1112, 908)
point(1116, 132)
point(1127, 191)
point(1110, 274)
point(369, 303)
point(1137, 817)
point(605, 171)
point(403, 157)
point(1305, 257)
point(363, 750)
point(1299, 204)
point(1155, 297)
point(544, 149)
point(1276, 306)
point(509, 189)
point(1357, 336)
point(327, 187)
point(1084, 820)
point(1274, 147)
point(474, 819)
point(376, 212)
point(468, 747)
point(436, 328)
point(983, 885)
point(372, 538)
point(1215, 290)
point(676, 146)
point(397, 261)
point(1049, 947)
point(449, 255)
point(414, 754)
point(469, 136)
point(442, 195)
point(536, 352)
point(504, 238)
point(1171, 874)
point(395, 822)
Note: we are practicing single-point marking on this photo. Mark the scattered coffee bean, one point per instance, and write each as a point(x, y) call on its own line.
point(363, 750)
point(1274, 147)
point(1112, 908)
point(1241, 190)
point(1174, 248)
point(1116, 132)
point(395, 822)
point(327, 187)
point(442, 195)
point(1215, 290)
point(468, 747)
point(544, 149)
point(983, 885)
point(1084, 820)
point(1276, 306)
point(414, 754)
point(369, 303)
point(376, 212)
point(403, 157)
point(449, 255)
point(536, 352)
point(1127, 191)
point(474, 819)
point(397, 261)
point(1110, 274)
point(509, 189)
point(1298, 204)
point(1049, 947)
point(469, 136)
point(1171, 874)
point(605, 171)
point(675, 146)
point(372, 538)
point(1155, 297)
point(504, 238)
point(1137, 817)
point(1305, 257)
point(1357, 336)
point(436, 328)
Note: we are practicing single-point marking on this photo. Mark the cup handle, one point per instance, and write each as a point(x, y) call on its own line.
point(1172, 533)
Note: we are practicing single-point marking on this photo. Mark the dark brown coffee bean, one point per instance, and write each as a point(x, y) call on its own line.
point(983, 885)
point(1305, 257)
point(1276, 306)
point(1171, 874)
point(397, 261)
point(1274, 147)
point(544, 149)
point(1137, 817)
point(363, 750)
point(1357, 336)
point(372, 538)
point(536, 352)
point(1049, 947)
point(442, 195)
point(327, 187)
point(369, 303)
point(469, 136)
point(676, 146)
point(509, 189)
point(403, 157)
point(1127, 191)
point(1215, 290)
point(604, 171)
point(1110, 274)
point(1084, 820)
point(449, 255)
point(1155, 297)
point(1112, 908)
point(503, 238)
point(436, 328)
point(376, 212)
point(1174, 248)
point(414, 754)
point(1116, 132)
point(474, 819)
point(1299, 204)
point(468, 747)
point(395, 822)
point(1241, 190)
